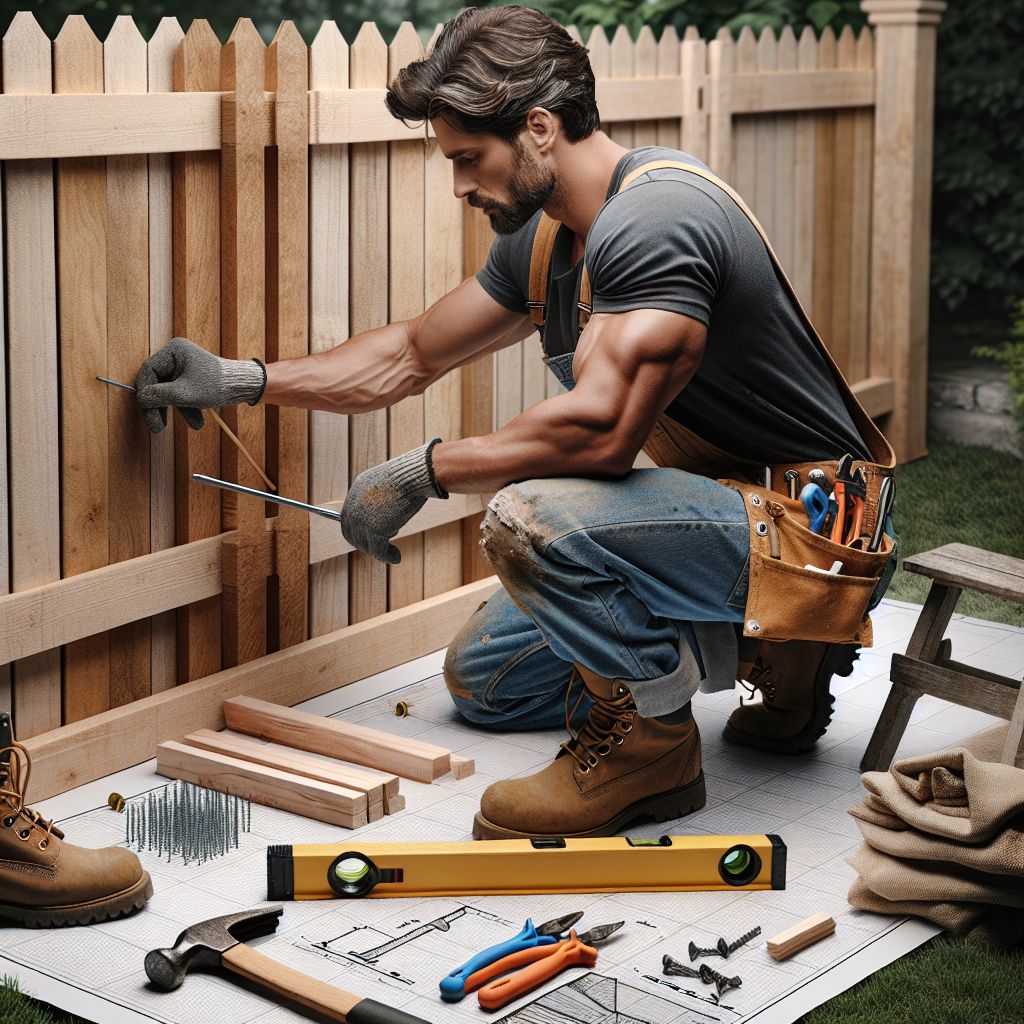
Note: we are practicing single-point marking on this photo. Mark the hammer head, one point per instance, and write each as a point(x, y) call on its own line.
point(206, 942)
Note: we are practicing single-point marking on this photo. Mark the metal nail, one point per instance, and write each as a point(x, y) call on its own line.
point(696, 951)
point(669, 965)
point(743, 940)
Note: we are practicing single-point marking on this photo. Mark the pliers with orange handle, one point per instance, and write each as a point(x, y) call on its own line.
point(540, 964)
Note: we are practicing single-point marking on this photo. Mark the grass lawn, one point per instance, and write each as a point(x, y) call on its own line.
point(974, 496)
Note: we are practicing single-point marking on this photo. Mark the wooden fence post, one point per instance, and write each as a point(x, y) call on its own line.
point(905, 32)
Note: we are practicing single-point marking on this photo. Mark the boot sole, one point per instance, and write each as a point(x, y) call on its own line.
point(663, 807)
point(838, 661)
point(107, 909)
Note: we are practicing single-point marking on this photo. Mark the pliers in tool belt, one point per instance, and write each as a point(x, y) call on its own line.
point(540, 964)
point(457, 984)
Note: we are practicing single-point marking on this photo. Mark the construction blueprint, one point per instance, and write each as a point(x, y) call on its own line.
point(397, 950)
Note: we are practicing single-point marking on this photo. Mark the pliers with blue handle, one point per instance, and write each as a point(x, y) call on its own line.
point(453, 987)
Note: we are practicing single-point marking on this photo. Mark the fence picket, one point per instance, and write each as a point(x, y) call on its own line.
point(721, 69)
point(858, 365)
point(34, 495)
point(621, 66)
point(842, 213)
point(668, 132)
point(693, 63)
point(784, 200)
point(824, 179)
point(744, 166)
point(329, 326)
point(804, 153)
point(645, 133)
point(160, 78)
point(765, 132)
point(368, 169)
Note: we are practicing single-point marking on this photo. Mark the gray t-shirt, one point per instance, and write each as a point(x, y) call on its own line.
point(674, 241)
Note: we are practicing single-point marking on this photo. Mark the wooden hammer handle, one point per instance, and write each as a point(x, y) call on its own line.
point(334, 1003)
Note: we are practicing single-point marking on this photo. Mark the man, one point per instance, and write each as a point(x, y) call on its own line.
point(612, 578)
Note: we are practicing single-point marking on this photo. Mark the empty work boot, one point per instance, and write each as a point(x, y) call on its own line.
point(618, 768)
point(45, 881)
point(796, 705)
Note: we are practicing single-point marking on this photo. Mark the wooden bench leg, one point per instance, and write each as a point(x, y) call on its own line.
point(1013, 745)
point(892, 723)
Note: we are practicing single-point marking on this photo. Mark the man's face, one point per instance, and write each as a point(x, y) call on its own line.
point(501, 178)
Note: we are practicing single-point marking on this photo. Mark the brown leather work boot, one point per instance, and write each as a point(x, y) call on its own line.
point(45, 881)
point(617, 768)
point(796, 708)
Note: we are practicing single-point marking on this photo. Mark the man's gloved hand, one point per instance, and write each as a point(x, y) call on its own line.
point(186, 375)
point(383, 499)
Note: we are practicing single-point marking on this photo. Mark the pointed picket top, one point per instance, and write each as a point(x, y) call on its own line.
point(244, 54)
point(724, 35)
point(404, 49)
point(669, 54)
point(622, 53)
point(600, 52)
point(433, 38)
point(160, 55)
point(646, 53)
point(368, 58)
point(767, 49)
point(328, 58)
point(846, 48)
point(827, 48)
point(197, 60)
point(865, 48)
point(77, 57)
point(692, 34)
point(746, 50)
point(124, 57)
point(787, 48)
point(807, 49)
point(287, 68)
point(26, 56)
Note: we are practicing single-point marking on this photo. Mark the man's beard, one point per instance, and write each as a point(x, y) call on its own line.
point(530, 187)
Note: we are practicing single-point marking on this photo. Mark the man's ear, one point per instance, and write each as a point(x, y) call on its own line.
point(543, 128)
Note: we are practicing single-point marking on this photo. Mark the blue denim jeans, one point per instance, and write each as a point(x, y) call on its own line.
point(610, 574)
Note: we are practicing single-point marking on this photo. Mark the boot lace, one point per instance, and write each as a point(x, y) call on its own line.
point(759, 679)
point(13, 786)
point(607, 724)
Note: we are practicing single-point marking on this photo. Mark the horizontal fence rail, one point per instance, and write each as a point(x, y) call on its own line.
point(260, 200)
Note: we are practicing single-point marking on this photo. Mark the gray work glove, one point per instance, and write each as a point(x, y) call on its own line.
point(383, 499)
point(186, 375)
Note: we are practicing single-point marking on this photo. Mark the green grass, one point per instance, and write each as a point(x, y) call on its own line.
point(18, 1008)
point(970, 495)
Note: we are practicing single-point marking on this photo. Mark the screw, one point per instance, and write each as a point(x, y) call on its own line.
point(707, 975)
point(671, 966)
point(696, 951)
point(743, 940)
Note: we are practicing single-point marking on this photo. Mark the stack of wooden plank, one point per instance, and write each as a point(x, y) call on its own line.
point(264, 755)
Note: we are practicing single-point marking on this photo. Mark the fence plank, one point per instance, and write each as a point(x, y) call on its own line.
point(824, 179)
point(160, 58)
point(645, 133)
point(405, 282)
point(784, 201)
point(693, 135)
point(765, 129)
point(860, 242)
point(328, 310)
point(287, 324)
point(804, 151)
point(125, 71)
point(243, 325)
point(842, 213)
point(721, 72)
point(668, 132)
point(34, 501)
point(745, 169)
point(197, 315)
point(621, 66)
point(368, 68)
point(81, 261)
point(442, 551)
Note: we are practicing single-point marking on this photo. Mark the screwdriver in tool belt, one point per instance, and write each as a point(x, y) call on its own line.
point(455, 985)
point(540, 964)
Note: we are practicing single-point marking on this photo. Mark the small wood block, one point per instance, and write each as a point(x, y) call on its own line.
point(800, 936)
point(406, 757)
point(395, 804)
point(462, 767)
point(268, 786)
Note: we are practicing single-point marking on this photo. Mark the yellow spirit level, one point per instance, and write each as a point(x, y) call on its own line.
point(522, 866)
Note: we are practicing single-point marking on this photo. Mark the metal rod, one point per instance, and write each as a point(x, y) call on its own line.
point(317, 510)
point(220, 423)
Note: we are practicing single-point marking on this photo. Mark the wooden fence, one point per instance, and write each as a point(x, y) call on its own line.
point(261, 201)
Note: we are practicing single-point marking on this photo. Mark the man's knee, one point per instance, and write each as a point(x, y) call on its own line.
point(511, 538)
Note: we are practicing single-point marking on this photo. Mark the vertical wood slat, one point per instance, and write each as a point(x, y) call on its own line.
point(368, 170)
point(693, 65)
point(127, 313)
point(329, 326)
point(621, 66)
point(81, 269)
point(31, 280)
point(744, 168)
point(668, 131)
point(765, 134)
point(196, 248)
point(406, 242)
point(784, 200)
point(860, 243)
point(824, 177)
point(287, 323)
point(600, 53)
point(160, 60)
point(244, 597)
point(645, 65)
point(721, 68)
point(804, 154)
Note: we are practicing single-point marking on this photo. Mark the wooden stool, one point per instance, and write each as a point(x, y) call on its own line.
point(927, 666)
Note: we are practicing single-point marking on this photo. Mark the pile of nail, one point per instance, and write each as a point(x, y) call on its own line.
point(721, 948)
point(188, 821)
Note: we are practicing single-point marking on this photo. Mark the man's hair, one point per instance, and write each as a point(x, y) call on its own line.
point(490, 66)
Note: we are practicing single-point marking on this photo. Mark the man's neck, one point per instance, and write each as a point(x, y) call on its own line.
point(585, 170)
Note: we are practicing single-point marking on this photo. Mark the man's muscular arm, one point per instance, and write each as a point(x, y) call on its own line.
point(376, 368)
point(628, 367)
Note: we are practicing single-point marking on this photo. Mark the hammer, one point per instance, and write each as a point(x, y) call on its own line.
point(221, 942)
